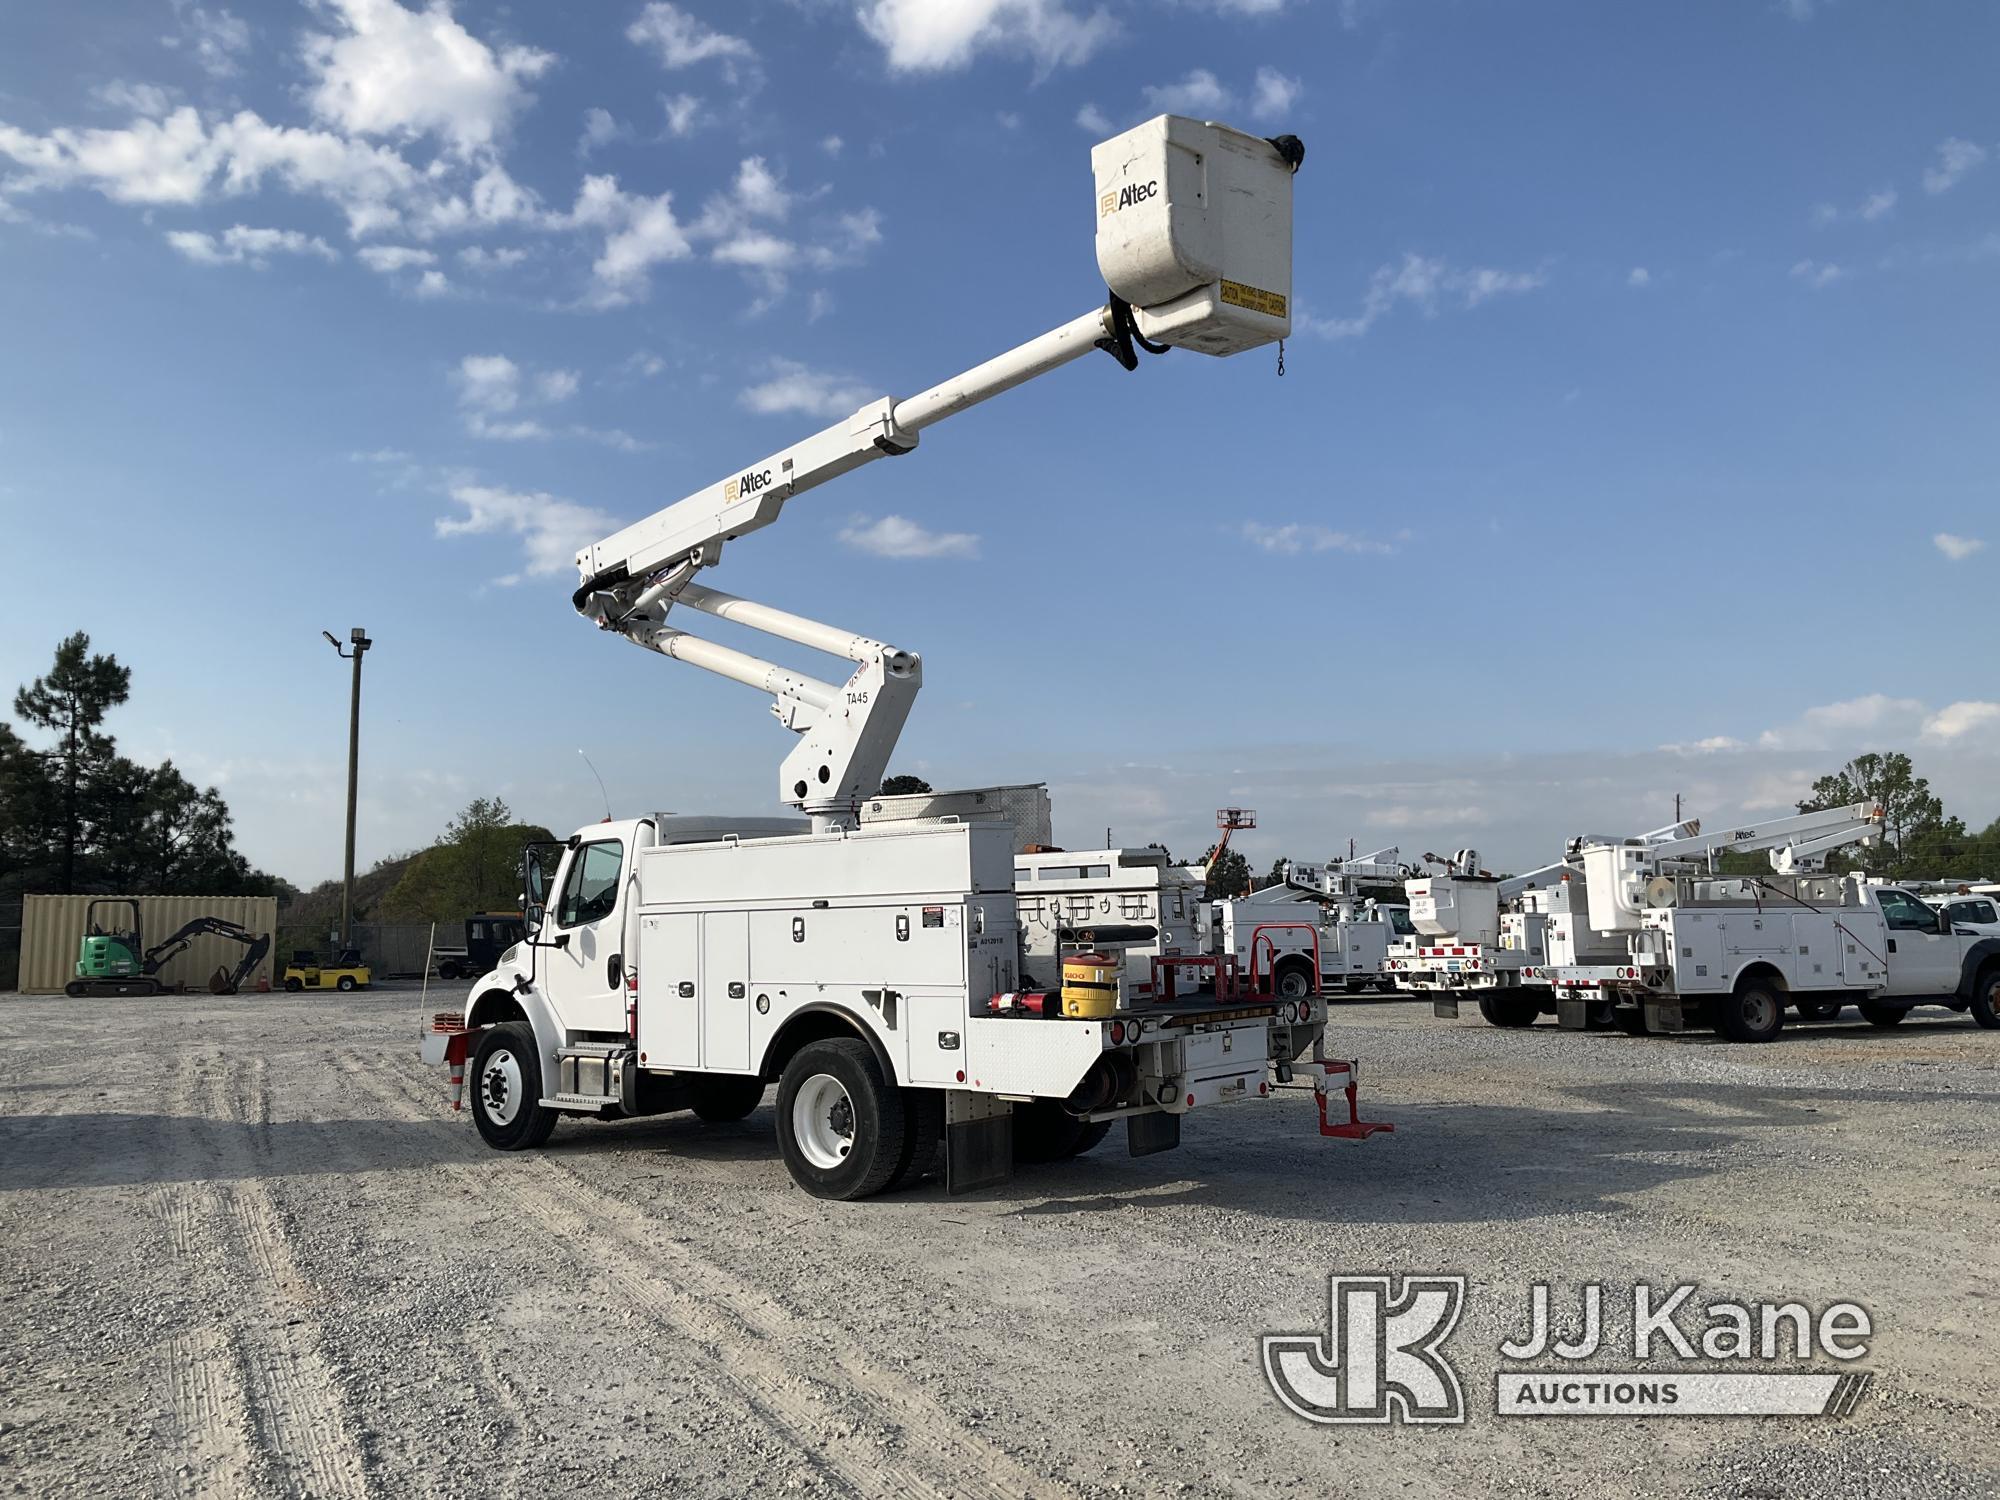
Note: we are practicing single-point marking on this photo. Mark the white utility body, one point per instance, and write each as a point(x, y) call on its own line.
point(1319, 914)
point(1134, 903)
point(872, 968)
point(1477, 933)
point(1738, 950)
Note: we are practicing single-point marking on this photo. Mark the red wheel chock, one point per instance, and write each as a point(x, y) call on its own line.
point(1353, 1128)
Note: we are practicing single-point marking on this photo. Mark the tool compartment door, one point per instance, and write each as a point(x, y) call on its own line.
point(670, 991)
point(725, 990)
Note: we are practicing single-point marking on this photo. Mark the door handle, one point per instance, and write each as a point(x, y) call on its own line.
point(736, 990)
point(614, 971)
point(1892, 945)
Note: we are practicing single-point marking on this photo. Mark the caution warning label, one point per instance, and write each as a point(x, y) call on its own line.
point(1236, 294)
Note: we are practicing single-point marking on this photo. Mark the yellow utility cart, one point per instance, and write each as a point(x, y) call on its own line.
point(347, 972)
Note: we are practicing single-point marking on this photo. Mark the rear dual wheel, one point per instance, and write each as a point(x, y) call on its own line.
point(1986, 998)
point(1509, 1010)
point(1753, 1014)
point(1045, 1131)
point(842, 1127)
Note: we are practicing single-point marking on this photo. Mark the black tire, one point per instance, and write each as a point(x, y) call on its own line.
point(344, 983)
point(1755, 1013)
point(1819, 1010)
point(722, 1100)
point(1630, 1019)
point(1509, 1010)
point(515, 1094)
point(925, 1108)
point(76, 989)
point(1293, 981)
point(1875, 1013)
point(1986, 997)
point(294, 986)
point(1045, 1131)
point(856, 1149)
point(1093, 1135)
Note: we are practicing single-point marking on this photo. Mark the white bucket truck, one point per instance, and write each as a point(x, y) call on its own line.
point(872, 970)
point(1318, 930)
point(1737, 951)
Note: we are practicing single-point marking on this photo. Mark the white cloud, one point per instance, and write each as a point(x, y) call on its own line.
point(898, 536)
point(404, 73)
point(433, 284)
point(1957, 548)
point(481, 258)
point(388, 259)
point(215, 37)
point(504, 402)
point(1955, 720)
point(1841, 725)
point(1297, 537)
point(681, 40)
point(1273, 95)
point(1878, 205)
point(1824, 214)
point(1817, 274)
point(240, 244)
point(488, 383)
point(682, 111)
point(927, 36)
point(1091, 118)
point(643, 362)
point(1640, 277)
point(1956, 158)
point(639, 233)
point(557, 385)
point(832, 145)
point(1715, 744)
point(600, 129)
point(1424, 282)
point(1200, 93)
point(794, 387)
point(147, 100)
point(552, 530)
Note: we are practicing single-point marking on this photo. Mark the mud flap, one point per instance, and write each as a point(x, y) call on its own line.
point(1664, 1015)
point(1572, 1014)
point(1149, 1134)
point(978, 1141)
point(1445, 1007)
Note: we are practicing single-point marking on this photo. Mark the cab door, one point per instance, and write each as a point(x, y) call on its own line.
point(1922, 959)
point(583, 939)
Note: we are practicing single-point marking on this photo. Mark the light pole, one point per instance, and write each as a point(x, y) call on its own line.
point(358, 639)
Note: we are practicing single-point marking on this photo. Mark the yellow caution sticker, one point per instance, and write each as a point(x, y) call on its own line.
point(1236, 294)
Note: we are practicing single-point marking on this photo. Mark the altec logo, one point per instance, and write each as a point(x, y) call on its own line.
point(745, 485)
point(1125, 197)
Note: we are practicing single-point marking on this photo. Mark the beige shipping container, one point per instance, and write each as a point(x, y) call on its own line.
point(52, 927)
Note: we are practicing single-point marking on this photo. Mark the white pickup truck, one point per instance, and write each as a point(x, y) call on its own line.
point(1736, 952)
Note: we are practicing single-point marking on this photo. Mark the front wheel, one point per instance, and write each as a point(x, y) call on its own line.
point(1986, 999)
point(1510, 1010)
point(345, 983)
point(1877, 1014)
point(840, 1123)
point(1752, 1014)
point(507, 1089)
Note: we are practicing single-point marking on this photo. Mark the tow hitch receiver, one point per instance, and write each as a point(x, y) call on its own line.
point(1353, 1128)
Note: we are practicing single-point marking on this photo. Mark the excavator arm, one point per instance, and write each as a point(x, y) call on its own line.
point(255, 945)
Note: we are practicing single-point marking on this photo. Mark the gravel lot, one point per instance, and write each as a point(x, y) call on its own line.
point(249, 1250)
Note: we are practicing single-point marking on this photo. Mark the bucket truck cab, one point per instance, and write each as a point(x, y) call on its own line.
point(1318, 914)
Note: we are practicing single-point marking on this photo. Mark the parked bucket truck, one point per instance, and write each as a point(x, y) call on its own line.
point(1318, 918)
point(872, 971)
point(1736, 952)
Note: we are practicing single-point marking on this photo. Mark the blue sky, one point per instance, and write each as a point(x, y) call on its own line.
point(1638, 436)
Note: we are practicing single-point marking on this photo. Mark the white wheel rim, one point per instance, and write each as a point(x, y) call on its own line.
point(500, 1087)
point(1759, 1011)
point(1294, 985)
point(823, 1121)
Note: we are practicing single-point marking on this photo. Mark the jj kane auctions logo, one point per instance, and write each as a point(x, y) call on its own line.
point(1381, 1357)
